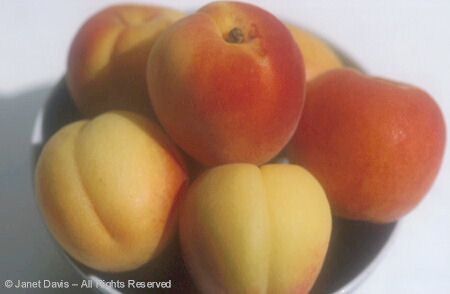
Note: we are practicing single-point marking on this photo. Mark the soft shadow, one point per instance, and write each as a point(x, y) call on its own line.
point(354, 245)
point(27, 252)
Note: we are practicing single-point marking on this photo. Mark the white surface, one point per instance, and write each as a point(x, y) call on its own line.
point(404, 40)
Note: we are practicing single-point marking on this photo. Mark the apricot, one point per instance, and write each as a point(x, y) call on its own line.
point(318, 56)
point(108, 189)
point(108, 57)
point(375, 145)
point(227, 84)
point(245, 229)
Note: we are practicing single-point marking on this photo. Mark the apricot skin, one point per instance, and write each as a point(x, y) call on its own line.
point(108, 190)
point(375, 145)
point(108, 57)
point(225, 102)
point(245, 229)
point(318, 56)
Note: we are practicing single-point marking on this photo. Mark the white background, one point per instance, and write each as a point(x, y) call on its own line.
point(404, 40)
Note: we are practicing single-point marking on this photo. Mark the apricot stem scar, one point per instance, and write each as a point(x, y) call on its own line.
point(235, 36)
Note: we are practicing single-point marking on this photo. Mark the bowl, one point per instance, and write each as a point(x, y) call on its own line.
point(355, 246)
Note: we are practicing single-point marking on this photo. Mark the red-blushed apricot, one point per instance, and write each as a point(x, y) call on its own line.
point(108, 58)
point(375, 145)
point(227, 83)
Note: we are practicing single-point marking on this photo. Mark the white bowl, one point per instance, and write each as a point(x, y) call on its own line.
point(355, 247)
